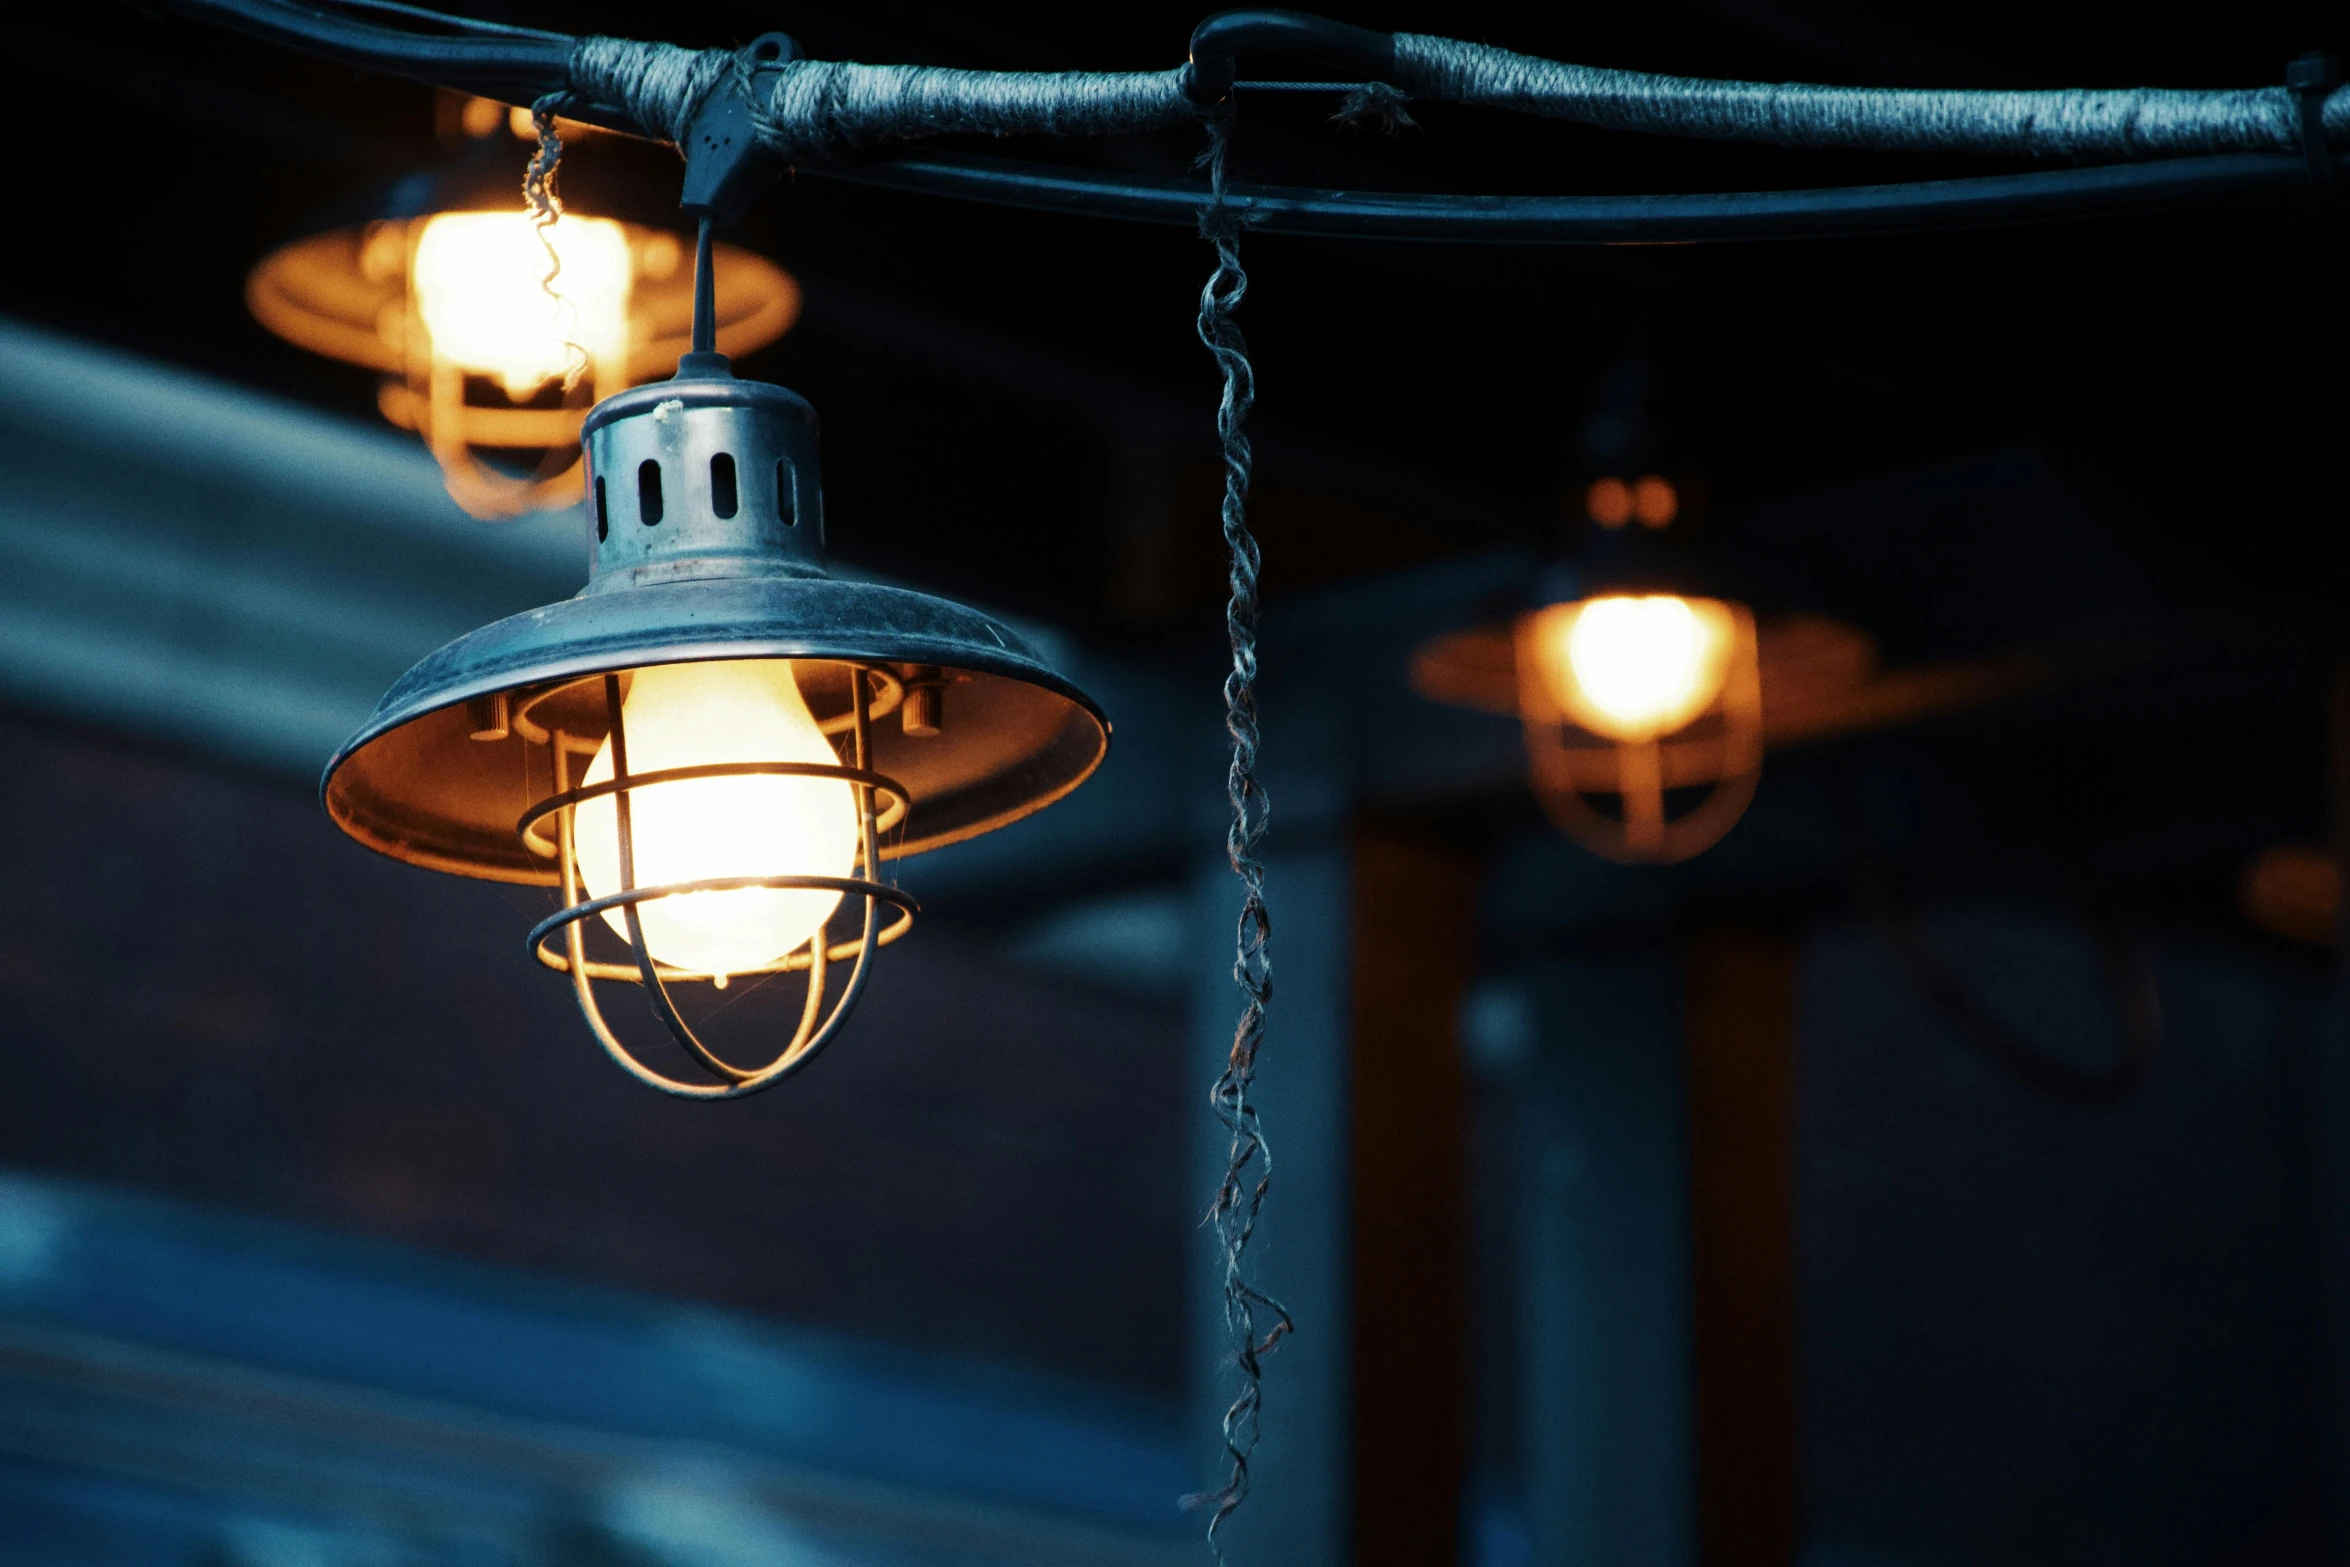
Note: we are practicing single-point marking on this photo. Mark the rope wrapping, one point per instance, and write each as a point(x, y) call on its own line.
point(658, 86)
point(822, 108)
point(2087, 125)
point(1239, 1200)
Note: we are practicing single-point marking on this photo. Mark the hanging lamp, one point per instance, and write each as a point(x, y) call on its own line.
point(1630, 690)
point(445, 290)
point(1647, 708)
point(1634, 694)
point(711, 749)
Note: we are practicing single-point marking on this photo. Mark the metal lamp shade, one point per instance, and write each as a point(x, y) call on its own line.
point(417, 785)
point(706, 527)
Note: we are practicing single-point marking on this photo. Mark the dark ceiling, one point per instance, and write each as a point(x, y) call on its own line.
point(1017, 408)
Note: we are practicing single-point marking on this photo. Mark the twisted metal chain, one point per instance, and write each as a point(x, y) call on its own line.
point(1239, 1197)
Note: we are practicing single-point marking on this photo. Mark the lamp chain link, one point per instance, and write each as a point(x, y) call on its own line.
point(1239, 1198)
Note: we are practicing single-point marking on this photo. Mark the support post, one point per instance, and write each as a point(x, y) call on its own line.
point(1415, 929)
point(1740, 1028)
point(1604, 1266)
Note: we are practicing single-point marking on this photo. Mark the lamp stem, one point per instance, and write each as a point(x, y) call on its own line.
point(705, 293)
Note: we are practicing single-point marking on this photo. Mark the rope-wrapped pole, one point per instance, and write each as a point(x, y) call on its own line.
point(2083, 124)
point(823, 108)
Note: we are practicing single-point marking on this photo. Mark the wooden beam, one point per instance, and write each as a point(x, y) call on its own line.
point(1740, 1030)
point(1414, 952)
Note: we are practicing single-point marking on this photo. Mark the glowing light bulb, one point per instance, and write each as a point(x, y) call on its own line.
point(688, 715)
point(479, 281)
point(1634, 668)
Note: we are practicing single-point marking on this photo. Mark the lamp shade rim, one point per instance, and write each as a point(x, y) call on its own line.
point(414, 785)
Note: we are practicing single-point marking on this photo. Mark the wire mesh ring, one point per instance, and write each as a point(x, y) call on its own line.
point(879, 783)
point(810, 1036)
point(792, 963)
point(847, 885)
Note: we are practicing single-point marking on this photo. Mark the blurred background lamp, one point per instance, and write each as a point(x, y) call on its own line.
point(1655, 502)
point(1633, 695)
point(494, 305)
point(1632, 667)
point(1651, 500)
point(1646, 710)
point(447, 294)
point(711, 749)
point(1608, 502)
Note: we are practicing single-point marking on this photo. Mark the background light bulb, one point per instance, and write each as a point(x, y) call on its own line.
point(1633, 668)
point(479, 281)
point(687, 715)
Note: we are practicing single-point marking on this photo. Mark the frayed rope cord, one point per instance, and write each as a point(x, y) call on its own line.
point(1248, 1164)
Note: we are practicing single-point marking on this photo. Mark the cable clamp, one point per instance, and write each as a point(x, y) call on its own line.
point(726, 169)
point(2312, 79)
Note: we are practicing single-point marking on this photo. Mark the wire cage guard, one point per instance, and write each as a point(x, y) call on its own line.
point(873, 691)
point(1721, 747)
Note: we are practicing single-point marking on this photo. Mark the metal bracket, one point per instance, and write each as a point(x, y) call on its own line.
point(1217, 42)
point(2312, 79)
point(726, 170)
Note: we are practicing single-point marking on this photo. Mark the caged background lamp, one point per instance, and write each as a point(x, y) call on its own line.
point(491, 348)
point(1646, 711)
point(1632, 695)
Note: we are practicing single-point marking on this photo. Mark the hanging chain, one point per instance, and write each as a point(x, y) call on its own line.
point(1248, 1166)
point(538, 193)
